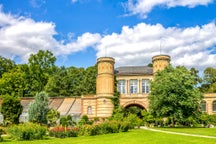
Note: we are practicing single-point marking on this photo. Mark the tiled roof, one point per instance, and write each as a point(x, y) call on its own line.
point(134, 70)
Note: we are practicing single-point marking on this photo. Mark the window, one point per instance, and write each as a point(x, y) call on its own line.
point(145, 86)
point(214, 106)
point(121, 86)
point(89, 110)
point(133, 86)
point(203, 106)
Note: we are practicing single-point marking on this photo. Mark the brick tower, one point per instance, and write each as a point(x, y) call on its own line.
point(105, 86)
point(160, 62)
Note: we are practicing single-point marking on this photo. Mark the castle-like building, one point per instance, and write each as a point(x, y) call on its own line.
point(133, 85)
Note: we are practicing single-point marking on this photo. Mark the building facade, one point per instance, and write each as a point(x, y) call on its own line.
point(133, 85)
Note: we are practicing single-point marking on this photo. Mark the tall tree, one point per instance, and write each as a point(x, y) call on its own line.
point(11, 109)
point(5, 65)
point(41, 67)
point(39, 108)
point(174, 94)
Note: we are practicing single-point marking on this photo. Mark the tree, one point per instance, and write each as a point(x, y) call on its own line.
point(174, 94)
point(209, 80)
point(11, 109)
point(5, 65)
point(14, 82)
point(89, 80)
point(41, 67)
point(39, 108)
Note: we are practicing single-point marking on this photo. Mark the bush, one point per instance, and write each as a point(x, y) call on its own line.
point(27, 131)
point(62, 132)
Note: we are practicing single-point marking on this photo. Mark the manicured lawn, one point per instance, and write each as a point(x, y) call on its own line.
point(138, 136)
point(200, 131)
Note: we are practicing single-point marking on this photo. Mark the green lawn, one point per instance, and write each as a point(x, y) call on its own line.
point(200, 131)
point(138, 136)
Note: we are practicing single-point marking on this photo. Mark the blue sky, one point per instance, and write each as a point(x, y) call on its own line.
point(131, 31)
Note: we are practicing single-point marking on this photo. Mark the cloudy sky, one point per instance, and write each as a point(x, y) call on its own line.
point(131, 31)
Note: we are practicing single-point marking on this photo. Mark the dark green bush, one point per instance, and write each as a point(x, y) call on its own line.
point(27, 131)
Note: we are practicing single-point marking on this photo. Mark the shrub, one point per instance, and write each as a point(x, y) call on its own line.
point(62, 132)
point(1, 132)
point(27, 131)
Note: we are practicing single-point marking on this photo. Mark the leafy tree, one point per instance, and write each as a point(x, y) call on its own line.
point(89, 80)
point(174, 94)
point(209, 80)
point(39, 108)
point(14, 82)
point(52, 117)
point(41, 67)
point(5, 65)
point(11, 109)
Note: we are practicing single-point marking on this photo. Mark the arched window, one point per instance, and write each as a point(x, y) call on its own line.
point(89, 110)
point(203, 106)
point(214, 106)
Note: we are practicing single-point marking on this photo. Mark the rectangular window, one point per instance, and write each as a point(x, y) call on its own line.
point(145, 86)
point(133, 86)
point(121, 86)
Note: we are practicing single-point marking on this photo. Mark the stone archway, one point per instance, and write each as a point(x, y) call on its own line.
point(135, 103)
point(134, 107)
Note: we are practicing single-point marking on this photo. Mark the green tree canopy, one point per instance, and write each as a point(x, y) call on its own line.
point(14, 82)
point(41, 67)
point(11, 109)
point(72, 81)
point(5, 65)
point(174, 94)
point(209, 80)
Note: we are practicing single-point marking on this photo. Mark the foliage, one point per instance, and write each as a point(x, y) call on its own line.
point(14, 82)
point(115, 98)
point(41, 67)
point(52, 117)
point(39, 108)
point(85, 120)
point(66, 121)
point(5, 65)
point(209, 80)
point(11, 109)
point(62, 132)
point(104, 128)
point(72, 81)
point(27, 131)
point(174, 94)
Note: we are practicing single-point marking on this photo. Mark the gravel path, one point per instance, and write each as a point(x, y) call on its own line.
point(178, 133)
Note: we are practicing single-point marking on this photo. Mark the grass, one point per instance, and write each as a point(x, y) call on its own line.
point(200, 131)
point(138, 136)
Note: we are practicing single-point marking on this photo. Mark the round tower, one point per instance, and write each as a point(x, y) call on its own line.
point(160, 62)
point(105, 86)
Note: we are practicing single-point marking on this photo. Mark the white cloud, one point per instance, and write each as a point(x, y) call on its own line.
point(186, 46)
point(192, 46)
point(143, 7)
point(22, 36)
point(37, 3)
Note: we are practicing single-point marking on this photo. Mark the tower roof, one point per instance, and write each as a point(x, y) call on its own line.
point(134, 70)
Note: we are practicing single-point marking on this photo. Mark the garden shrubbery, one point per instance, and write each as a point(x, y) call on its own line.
point(27, 131)
point(62, 132)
